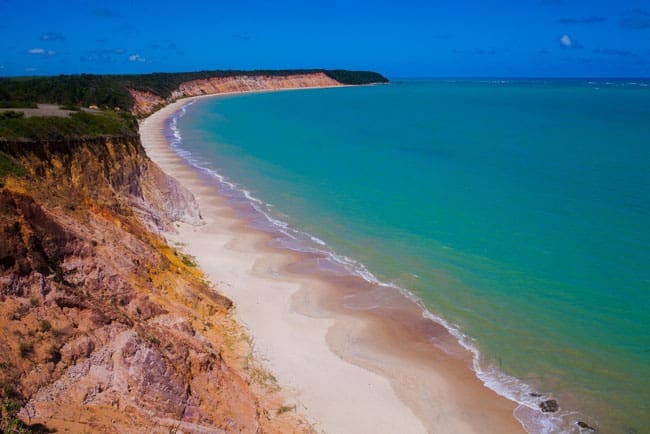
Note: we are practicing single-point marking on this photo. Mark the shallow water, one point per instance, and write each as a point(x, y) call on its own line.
point(518, 211)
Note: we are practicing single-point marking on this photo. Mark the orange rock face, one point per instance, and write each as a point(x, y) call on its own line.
point(147, 102)
point(103, 326)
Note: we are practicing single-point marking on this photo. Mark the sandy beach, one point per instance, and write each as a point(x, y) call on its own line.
point(348, 370)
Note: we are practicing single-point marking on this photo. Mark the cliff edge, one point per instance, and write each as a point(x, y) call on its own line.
point(103, 326)
point(146, 102)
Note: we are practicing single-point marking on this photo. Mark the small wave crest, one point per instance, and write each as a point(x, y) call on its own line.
point(528, 412)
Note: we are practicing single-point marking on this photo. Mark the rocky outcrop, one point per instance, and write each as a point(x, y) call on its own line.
point(103, 326)
point(147, 102)
point(113, 171)
point(585, 426)
point(549, 406)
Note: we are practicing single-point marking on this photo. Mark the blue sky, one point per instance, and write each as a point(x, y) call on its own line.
point(400, 38)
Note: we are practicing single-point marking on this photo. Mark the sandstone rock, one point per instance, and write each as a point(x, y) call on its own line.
point(142, 308)
point(79, 348)
point(99, 331)
point(147, 102)
point(113, 170)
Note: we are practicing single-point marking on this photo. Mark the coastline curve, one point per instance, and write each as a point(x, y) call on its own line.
point(341, 292)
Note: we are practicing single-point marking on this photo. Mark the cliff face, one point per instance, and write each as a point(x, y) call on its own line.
point(147, 102)
point(113, 171)
point(103, 326)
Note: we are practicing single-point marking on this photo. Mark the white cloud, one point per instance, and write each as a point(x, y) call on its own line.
point(41, 52)
point(566, 41)
point(52, 36)
point(136, 58)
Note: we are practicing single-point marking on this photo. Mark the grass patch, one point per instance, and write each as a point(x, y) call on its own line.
point(188, 260)
point(8, 167)
point(259, 375)
point(45, 325)
point(77, 125)
point(18, 104)
point(11, 114)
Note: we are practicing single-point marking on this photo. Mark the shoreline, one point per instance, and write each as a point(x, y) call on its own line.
point(347, 369)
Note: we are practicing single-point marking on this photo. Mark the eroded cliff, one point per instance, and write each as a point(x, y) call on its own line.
point(147, 102)
point(103, 326)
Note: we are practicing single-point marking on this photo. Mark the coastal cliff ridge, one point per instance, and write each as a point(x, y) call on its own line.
point(104, 325)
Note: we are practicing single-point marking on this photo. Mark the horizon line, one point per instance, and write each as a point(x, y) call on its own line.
point(391, 77)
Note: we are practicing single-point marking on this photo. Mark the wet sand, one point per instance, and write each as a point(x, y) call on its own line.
point(354, 357)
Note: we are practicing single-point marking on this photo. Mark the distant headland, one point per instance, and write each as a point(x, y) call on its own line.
point(144, 93)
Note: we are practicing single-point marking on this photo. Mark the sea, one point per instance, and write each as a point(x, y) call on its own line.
point(517, 211)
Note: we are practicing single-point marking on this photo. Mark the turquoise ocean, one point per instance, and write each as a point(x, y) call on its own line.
point(518, 211)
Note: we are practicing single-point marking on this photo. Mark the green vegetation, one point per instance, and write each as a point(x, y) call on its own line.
point(71, 107)
point(54, 354)
point(17, 104)
point(111, 91)
point(8, 167)
point(45, 325)
point(25, 349)
point(77, 125)
point(188, 260)
point(11, 114)
point(356, 77)
point(10, 423)
point(54, 262)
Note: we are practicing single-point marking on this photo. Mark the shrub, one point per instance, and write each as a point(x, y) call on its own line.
point(25, 349)
point(54, 354)
point(11, 114)
point(18, 104)
point(45, 325)
point(188, 260)
point(8, 167)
